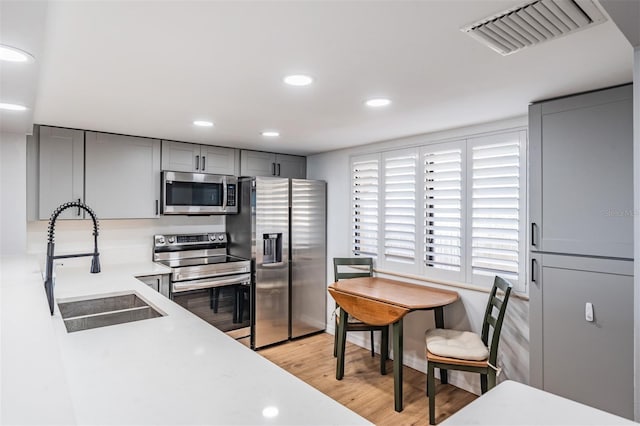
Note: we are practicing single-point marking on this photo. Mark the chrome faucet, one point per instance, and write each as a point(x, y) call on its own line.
point(95, 262)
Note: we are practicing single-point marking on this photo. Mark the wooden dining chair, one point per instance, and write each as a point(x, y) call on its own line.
point(467, 351)
point(363, 267)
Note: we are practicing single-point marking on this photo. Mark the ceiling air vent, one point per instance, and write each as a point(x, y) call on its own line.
point(533, 23)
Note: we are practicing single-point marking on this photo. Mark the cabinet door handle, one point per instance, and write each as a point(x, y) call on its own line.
point(273, 169)
point(79, 212)
point(534, 268)
point(203, 163)
point(534, 231)
point(157, 207)
point(278, 174)
point(197, 161)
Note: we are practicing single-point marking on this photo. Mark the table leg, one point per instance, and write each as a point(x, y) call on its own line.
point(439, 314)
point(397, 364)
point(342, 337)
point(384, 350)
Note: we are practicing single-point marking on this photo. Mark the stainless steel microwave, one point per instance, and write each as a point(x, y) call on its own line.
point(198, 193)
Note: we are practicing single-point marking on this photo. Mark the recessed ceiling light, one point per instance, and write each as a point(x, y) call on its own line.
point(298, 80)
point(12, 54)
point(12, 107)
point(270, 134)
point(270, 412)
point(377, 102)
point(202, 123)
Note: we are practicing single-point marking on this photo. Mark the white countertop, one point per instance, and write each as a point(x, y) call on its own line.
point(512, 403)
point(175, 369)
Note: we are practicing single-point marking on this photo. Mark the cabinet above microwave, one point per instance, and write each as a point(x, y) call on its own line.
point(194, 158)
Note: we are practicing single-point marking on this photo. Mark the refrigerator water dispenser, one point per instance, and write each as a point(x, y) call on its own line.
point(272, 248)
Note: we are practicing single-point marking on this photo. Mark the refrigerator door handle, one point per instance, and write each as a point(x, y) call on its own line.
point(273, 265)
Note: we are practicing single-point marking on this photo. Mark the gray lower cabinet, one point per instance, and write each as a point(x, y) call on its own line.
point(189, 157)
point(587, 361)
point(159, 283)
point(122, 176)
point(581, 174)
point(61, 171)
point(257, 163)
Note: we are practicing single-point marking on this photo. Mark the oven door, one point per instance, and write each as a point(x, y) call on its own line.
point(198, 193)
point(223, 302)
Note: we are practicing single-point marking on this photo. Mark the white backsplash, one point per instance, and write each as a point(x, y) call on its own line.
point(119, 241)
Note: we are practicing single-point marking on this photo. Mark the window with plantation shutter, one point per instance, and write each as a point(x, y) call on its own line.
point(449, 211)
point(496, 206)
point(400, 206)
point(443, 206)
point(364, 199)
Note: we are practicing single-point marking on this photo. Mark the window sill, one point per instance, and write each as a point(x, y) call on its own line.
point(454, 284)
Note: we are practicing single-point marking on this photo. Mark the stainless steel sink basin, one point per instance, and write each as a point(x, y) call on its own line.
point(104, 311)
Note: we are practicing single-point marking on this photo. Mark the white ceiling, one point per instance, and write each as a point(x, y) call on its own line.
point(150, 68)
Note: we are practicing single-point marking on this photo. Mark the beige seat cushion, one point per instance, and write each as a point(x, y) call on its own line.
point(456, 344)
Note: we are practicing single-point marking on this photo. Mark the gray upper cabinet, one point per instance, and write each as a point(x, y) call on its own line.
point(122, 176)
point(220, 160)
point(61, 171)
point(257, 163)
point(581, 174)
point(291, 166)
point(189, 157)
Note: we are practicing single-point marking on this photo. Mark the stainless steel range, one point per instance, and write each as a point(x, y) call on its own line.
point(207, 281)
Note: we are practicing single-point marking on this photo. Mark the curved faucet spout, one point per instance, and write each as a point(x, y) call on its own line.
point(95, 261)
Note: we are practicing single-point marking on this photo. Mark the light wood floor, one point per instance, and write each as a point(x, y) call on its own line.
point(363, 389)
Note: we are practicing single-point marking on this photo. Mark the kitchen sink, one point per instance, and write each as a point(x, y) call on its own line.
point(104, 311)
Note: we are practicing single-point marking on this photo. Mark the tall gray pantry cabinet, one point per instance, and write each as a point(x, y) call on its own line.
point(581, 248)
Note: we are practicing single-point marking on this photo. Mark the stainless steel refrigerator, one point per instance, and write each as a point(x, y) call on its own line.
point(281, 227)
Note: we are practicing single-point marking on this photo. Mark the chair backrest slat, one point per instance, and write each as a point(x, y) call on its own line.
point(347, 275)
point(364, 263)
point(496, 302)
point(495, 322)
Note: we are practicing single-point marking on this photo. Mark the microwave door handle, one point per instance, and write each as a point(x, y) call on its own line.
point(224, 194)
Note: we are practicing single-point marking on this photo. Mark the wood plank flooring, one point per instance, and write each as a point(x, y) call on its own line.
point(363, 389)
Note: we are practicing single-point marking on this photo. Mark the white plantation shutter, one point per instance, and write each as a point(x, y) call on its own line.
point(443, 206)
point(400, 206)
point(465, 199)
point(496, 206)
point(365, 199)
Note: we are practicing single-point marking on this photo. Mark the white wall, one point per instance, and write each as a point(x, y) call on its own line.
point(13, 191)
point(467, 314)
point(119, 241)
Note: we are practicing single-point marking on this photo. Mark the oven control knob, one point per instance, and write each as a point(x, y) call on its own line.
point(160, 240)
point(221, 237)
point(212, 237)
point(171, 240)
